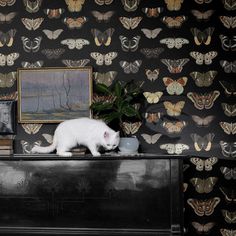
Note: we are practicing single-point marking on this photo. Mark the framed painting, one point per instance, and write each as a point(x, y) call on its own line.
point(52, 95)
point(7, 117)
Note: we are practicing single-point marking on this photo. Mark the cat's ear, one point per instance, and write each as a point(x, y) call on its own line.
point(117, 133)
point(106, 135)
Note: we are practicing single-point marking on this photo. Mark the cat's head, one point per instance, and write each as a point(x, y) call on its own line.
point(111, 140)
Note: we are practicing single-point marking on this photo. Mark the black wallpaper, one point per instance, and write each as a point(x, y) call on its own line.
point(183, 51)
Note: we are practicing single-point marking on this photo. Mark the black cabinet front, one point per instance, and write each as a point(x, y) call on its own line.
point(112, 196)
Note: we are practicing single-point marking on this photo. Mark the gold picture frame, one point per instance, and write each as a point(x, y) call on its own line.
point(53, 94)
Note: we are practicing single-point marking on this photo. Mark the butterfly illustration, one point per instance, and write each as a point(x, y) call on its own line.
point(204, 207)
point(202, 15)
point(4, 3)
point(174, 42)
point(202, 58)
point(152, 75)
point(9, 96)
point(152, 117)
point(203, 121)
point(52, 35)
point(130, 23)
point(205, 100)
point(31, 128)
point(8, 59)
point(105, 78)
point(202, 1)
point(202, 164)
point(175, 86)
point(229, 5)
point(27, 146)
point(151, 52)
point(151, 34)
point(174, 5)
point(130, 5)
point(228, 232)
point(174, 109)
point(7, 18)
point(228, 66)
point(175, 66)
point(202, 143)
point(7, 38)
point(172, 148)
point(131, 128)
point(36, 64)
point(74, 5)
point(54, 13)
point(75, 23)
point(31, 45)
point(228, 44)
point(174, 127)
point(203, 79)
point(129, 44)
point(153, 97)
point(151, 139)
point(32, 24)
point(75, 43)
point(75, 63)
point(103, 58)
point(203, 228)
point(102, 17)
point(32, 6)
point(228, 21)
point(174, 21)
point(229, 110)
point(229, 128)
point(228, 149)
point(229, 173)
point(152, 12)
point(229, 193)
point(103, 2)
point(131, 67)
point(53, 53)
point(229, 216)
point(7, 80)
point(204, 185)
point(102, 38)
point(202, 37)
point(229, 88)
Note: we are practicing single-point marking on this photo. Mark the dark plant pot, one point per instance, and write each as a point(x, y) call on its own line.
point(128, 145)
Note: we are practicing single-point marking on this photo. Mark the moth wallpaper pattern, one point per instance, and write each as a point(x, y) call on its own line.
point(183, 51)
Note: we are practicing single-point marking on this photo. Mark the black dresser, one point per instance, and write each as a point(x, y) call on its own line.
point(83, 195)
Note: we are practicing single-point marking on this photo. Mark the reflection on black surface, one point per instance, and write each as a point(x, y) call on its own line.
point(117, 193)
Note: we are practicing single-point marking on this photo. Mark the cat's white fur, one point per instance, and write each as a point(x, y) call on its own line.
point(82, 131)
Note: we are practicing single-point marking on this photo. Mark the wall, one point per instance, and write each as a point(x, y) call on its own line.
point(190, 118)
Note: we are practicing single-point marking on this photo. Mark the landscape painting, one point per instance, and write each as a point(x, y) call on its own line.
point(52, 95)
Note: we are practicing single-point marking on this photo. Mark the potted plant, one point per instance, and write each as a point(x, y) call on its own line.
point(119, 106)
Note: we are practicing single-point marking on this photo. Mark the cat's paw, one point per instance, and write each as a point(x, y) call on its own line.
point(64, 154)
point(96, 154)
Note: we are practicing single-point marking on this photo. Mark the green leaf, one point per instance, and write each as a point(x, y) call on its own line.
point(118, 89)
point(100, 106)
point(111, 116)
point(129, 111)
point(102, 88)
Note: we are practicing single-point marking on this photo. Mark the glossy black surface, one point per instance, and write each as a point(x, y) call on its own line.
point(136, 195)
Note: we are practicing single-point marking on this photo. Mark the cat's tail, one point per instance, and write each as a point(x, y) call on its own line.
point(48, 149)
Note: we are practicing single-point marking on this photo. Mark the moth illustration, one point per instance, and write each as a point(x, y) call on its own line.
point(203, 79)
point(32, 24)
point(103, 2)
point(7, 18)
point(229, 216)
point(203, 228)
point(31, 45)
point(7, 80)
point(228, 21)
point(36, 64)
point(229, 128)
point(203, 58)
point(204, 185)
point(229, 110)
point(75, 43)
point(173, 5)
point(130, 5)
point(8, 59)
point(106, 78)
point(203, 121)
point(151, 52)
point(129, 44)
point(105, 59)
point(131, 128)
point(152, 12)
point(75, 63)
point(202, 15)
point(228, 149)
point(228, 44)
point(175, 86)
point(172, 148)
point(32, 6)
point(152, 75)
point(103, 17)
point(204, 207)
point(176, 65)
point(202, 143)
point(151, 33)
point(229, 5)
point(52, 34)
point(54, 13)
point(7, 38)
point(74, 5)
point(31, 128)
point(174, 42)
point(174, 21)
point(75, 23)
point(4, 3)
point(174, 109)
point(202, 37)
point(228, 66)
point(153, 97)
point(174, 127)
point(130, 23)
point(203, 101)
point(229, 173)
point(53, 53)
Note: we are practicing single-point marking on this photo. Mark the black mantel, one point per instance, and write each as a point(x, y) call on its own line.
point(108, 195)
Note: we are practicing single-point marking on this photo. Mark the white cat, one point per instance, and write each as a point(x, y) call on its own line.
point(82, 131)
